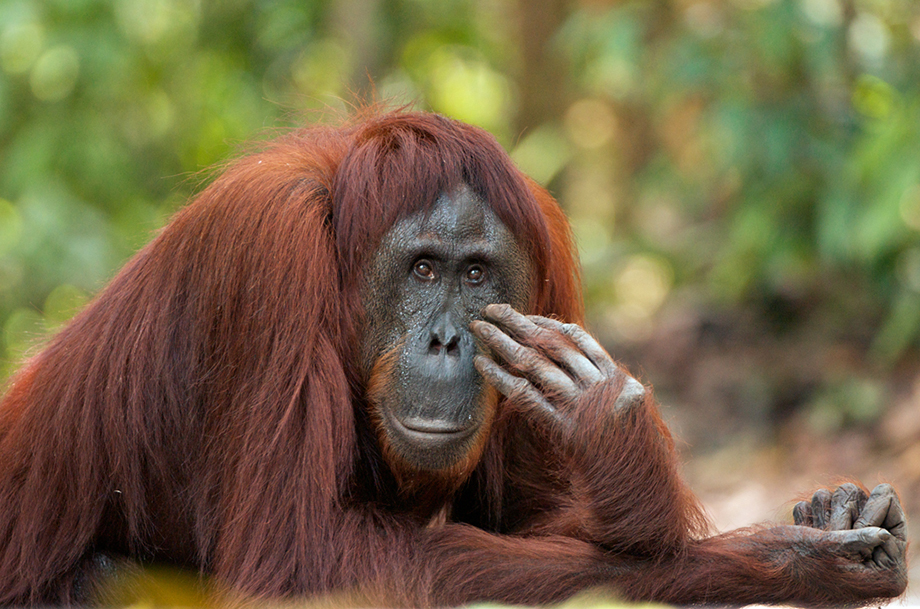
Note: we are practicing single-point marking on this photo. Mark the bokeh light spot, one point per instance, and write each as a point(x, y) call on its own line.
point(543, 153)
point(20, 46)
point(869, 38)
point(910, 207)
point(468, 89)
point(590, 123)
point(10, 227)
point(55, 73)
point(62, 303)
point(824, 13)
point(641, 285)
point(873, 97)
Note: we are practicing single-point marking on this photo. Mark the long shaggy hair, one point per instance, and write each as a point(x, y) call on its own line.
point(203, 406)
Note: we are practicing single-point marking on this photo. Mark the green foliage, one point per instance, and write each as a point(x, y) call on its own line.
point(745, 151)
point(778, 152)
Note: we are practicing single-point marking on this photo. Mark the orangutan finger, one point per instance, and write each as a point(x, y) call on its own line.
point(883, 509)
point(529, 362)
point(861, 543)
point(801, 514)
point(518, 391)
point(551, 342)
point(821, 508)
point(845, 506)
point(587, 343)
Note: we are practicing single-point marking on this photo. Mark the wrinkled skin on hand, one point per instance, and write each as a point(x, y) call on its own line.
point(868, 529)
point(548, 365)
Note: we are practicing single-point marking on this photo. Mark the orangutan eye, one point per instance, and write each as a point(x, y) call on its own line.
point(475, 274)
point(424, 270)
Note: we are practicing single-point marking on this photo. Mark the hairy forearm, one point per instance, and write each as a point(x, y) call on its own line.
point(613, 475)
point(781, 564)
point(748, 566)
point(471, 565)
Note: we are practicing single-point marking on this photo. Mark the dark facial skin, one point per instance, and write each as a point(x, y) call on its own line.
point(433, 274)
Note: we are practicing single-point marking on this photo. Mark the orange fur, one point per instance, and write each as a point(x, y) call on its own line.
point(206, 410)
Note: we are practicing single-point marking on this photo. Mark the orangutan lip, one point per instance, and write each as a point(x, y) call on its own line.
point(428, 427)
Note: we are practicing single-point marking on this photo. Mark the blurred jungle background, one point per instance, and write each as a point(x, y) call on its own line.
point(743, 177)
